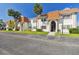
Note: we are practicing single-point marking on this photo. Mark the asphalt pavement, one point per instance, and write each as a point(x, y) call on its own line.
point(21, 44)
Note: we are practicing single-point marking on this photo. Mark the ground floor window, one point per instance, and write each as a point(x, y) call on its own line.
point(43, 27)
point(34, 27)
point(66, 26)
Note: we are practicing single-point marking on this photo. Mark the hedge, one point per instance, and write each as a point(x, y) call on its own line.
point(39, 30)
point(74, 30)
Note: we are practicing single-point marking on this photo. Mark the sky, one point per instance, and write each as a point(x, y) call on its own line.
point(26, 9)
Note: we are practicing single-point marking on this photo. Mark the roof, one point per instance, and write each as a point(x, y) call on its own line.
point(55, 15)
point(69, 11)
point(24, 19)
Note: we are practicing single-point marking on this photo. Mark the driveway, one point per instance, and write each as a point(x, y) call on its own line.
point(20, 44)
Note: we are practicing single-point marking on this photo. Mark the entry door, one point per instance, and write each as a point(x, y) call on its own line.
point(53, 26)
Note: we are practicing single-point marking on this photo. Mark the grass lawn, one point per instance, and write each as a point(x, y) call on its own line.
point(67, 35)
point(71, 35)
point(43, 33)
point(29, 32)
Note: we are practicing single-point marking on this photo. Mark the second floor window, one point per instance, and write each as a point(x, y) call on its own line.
point(67, 17)
point(43, 19)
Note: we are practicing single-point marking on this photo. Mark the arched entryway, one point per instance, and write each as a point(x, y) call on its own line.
point(53, 26)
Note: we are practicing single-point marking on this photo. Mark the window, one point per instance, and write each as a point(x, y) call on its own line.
point(66, 26)
point(34, 27)
point(43, 19)
point(43, 27)
point(67, 17)
point(60, 21)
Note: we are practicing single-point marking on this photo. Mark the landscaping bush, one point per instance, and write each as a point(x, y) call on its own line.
point(74, 30)
point(39, 30)
point(10, 29)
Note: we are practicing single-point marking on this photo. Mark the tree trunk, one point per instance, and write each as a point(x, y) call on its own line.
point(16, 23)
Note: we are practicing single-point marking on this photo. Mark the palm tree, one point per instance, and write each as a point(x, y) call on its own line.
point(16, 15)
point(37, 10)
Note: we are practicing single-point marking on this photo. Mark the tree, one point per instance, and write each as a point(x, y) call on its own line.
point(37, 10)
point(11, 24)
point(1, 22)
point(16, 15)
point(2, 25)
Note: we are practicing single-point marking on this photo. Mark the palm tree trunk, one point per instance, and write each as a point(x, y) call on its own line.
point(16, 23)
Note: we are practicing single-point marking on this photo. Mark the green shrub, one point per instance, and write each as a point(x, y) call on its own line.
point(39, 30)
point(74, 30)
point(10, 29)
point(58, 30)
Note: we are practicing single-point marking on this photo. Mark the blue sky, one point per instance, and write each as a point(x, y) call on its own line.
point(26, 9)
